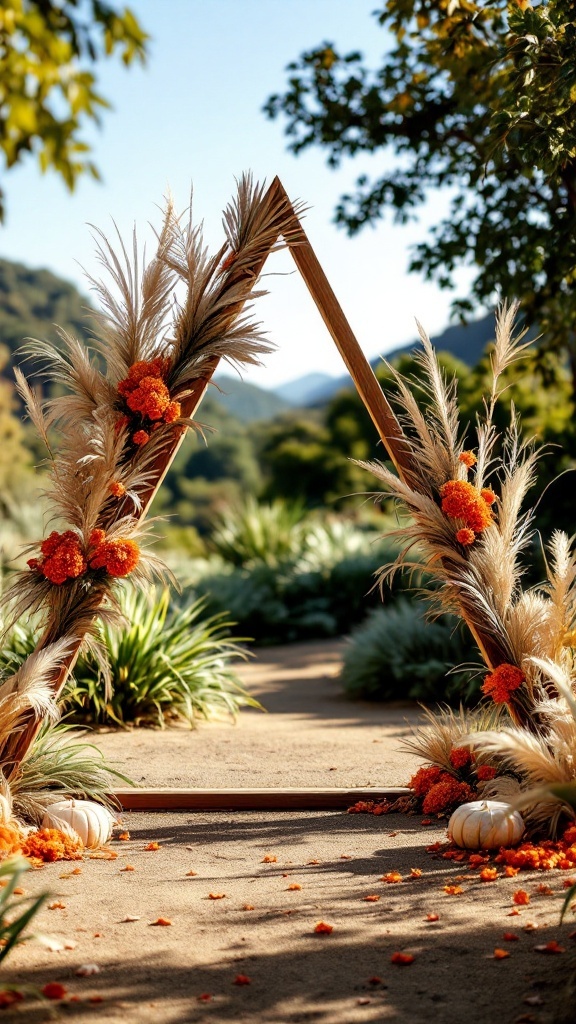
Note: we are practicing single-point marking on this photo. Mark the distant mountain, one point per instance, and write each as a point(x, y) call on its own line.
point(303, 390)
point(465, 341)
point(247, 402)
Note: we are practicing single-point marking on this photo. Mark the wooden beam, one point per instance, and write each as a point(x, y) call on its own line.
point(284, 799)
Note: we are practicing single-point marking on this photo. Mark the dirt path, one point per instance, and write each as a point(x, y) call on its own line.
point(260, 928)
point(310, 735)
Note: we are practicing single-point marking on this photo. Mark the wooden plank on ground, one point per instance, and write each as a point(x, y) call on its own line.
point(285, 799)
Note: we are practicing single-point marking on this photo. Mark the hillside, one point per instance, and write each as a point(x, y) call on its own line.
point(466, 341)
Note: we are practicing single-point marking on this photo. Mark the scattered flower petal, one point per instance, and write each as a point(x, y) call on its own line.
point(416, 872)
point(401, 958)
point(453, 890)
point(152, 846)
point(216, 895)
point(242, 979)
point(269, 858)
point(391, 877)
point(489, 874)
point(371, 899)
point(54, 990)
point(323, 929)
point(294, 887)
point(86, 970)
point(511, 937)
point(550, 947)
point(162, 922)
point(521, 898)
point(431, 917)
point(500, 954)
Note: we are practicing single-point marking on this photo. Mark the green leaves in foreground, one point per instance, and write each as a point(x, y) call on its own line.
point(15, 912)
point(167, 663)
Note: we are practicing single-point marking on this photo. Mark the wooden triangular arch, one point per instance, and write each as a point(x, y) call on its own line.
point(388, 428)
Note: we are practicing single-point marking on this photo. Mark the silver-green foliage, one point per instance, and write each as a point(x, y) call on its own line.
point(16, 912)
point(166, 662)
point(397, 655)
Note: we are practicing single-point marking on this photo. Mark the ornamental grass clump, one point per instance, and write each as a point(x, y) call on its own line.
point(467, 519)
point(165, 663)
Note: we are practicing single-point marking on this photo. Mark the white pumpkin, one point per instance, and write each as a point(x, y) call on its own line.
point(485, 825)
point(89, 820)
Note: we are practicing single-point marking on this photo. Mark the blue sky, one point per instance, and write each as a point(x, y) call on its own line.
point(193, 115)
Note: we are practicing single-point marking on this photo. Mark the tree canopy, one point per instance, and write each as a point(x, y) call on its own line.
point(48, 88)
point(476, 97)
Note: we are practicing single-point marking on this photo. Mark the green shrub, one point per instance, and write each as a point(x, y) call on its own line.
point(253, 532)
point(326, 590)
point(165, 663)
point(398, 655)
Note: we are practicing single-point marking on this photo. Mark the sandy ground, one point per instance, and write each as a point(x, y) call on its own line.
point(261, 929)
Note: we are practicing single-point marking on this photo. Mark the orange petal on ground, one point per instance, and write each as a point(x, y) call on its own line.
point(550, 947)
point(509, 871)
point(513, 913)
point(401, 958)
point(163, 922)
point(501, 954)
point(269, 858)
point(453, 890)
point(544, 890)
point(521, 898)
point(242, 979)
point(247, 906)
point(371, 899)
point(54, 990)
point(489, 874)
point(204, 997)
point(190, 874)
point(416, 872)
point(294, 887)
point(431, 917)
point(322, 928)
point(375, 980)
point(124, 837)
point(391, 877)
point(57, 905)
point(216, 895)
point(511, 937)
point(128, 867)
point(152, 846)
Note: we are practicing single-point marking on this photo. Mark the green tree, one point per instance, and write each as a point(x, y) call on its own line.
point(478, 97)
point(48, 89)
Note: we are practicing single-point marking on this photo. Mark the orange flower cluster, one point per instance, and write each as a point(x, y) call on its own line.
point(439, 789)
point(500, 683)
point(62, 557)
point(146, 394)
point(117, 489)
point(485, 772)
point(468, 459)
point(461, 500)
point(460, 757)
point(118, 557)
point(446, 793)
point(10, 839)
point(424, 779)
point(543, 856)
point(50, 844)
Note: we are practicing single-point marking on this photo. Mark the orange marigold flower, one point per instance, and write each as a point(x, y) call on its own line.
point(488, 495)
point(63, 557)
point(54, 990)
point(501, 954)
point(33, 563)
point(117, 489)
point(140, 438)
point(468, 458)
point(10, 839)
point(118, 557)
point(521, 898)
point(569, 836)
point(460, 757)
point(50, 844)
point(322, 928)
point(485, 772)
point(465, 537)
point(150, 398)
point(461, 500)
point(392, 877)
point(502, 681)
point(445, 794)
point(402, 959)
point(96, 538)
point(424, 779)
point(172, 412)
